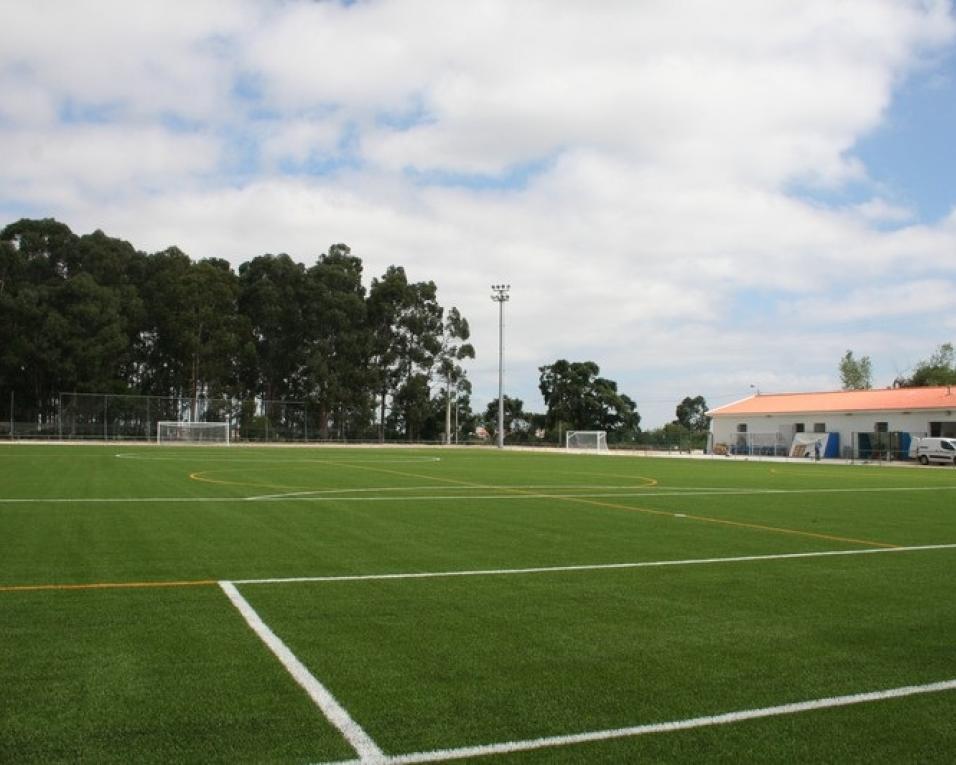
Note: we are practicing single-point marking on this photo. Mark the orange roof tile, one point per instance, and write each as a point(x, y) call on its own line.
point(886, 399)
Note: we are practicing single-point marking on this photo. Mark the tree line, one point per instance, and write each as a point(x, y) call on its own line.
point(93, 314)
point(577, 398)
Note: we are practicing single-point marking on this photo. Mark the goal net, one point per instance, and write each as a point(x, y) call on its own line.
point(192, 432)
point(592, 440)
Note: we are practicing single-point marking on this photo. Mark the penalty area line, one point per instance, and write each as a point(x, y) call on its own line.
point(476, 572)
point(728, 718)
point(591, 567)
point(334, 712)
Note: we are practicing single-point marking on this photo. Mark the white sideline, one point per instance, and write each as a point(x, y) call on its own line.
point(728, 718)
point(364, 746)
point(592, 567)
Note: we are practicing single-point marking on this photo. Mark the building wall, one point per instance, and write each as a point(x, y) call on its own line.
point(847, 425)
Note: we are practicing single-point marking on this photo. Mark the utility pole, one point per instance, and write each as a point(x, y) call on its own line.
point(501, 297)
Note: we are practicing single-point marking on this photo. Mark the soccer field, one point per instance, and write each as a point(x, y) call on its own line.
point(316, 605)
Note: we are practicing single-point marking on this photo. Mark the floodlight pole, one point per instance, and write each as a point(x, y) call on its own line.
point(501, 297)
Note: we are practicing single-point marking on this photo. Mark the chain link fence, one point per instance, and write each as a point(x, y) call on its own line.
point(98, 416)
point(23, 421)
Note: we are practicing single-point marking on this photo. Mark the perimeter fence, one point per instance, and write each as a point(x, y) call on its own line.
point(98, 416)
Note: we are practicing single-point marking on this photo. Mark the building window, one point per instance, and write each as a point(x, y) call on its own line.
point(819, 427)
point(741, 427)
point(882, 427)
point(799, 428)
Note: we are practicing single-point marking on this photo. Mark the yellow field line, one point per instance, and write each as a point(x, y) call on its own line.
point(106, 585)
point(741, 524)
point(202, 478)
point(615, 506)
point(650, 481)
point(520, 492)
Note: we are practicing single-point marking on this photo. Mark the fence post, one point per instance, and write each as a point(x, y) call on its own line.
point(12, 398)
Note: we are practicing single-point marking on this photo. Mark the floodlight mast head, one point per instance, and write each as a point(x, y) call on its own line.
point(501, 297)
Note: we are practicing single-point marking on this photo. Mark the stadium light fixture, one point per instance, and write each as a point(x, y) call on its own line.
point(501, 297)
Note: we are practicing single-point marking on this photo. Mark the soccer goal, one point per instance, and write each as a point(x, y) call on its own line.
point(192, 432)
point(592, 440)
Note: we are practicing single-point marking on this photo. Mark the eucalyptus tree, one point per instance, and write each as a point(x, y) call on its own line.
point(458, 401)
point(454, 348)
point(274, 297)
point(168, 347)
point(62, 329)
point(222, 336)
point(339, 341)
point(118, 266)
point(405, 322)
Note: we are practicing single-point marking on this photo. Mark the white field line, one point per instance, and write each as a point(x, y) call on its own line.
point(364, 746)
point(592, 567)
point(527, 494)
point(673, 492)
point(469, 487)
point(663, 727)
point(276, 461)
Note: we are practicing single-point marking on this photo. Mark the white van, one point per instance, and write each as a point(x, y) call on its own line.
point(936, 450)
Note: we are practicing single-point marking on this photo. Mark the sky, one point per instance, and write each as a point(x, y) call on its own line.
point(702, 198)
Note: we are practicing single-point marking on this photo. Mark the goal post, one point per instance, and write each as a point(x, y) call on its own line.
point(590, 440)
point(169, 432)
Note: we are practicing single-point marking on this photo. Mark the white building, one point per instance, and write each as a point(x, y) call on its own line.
point(859, 424)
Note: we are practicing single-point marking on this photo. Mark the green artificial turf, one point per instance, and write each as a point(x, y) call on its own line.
point(173, 673)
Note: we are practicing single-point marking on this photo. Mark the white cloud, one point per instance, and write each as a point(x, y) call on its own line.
point(881, 211)
point(929, 300)
point(104, 159)
point(656, 230)
point(299, 140)
point(144, 58)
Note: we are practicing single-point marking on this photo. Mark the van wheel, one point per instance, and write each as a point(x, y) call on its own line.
point(923, 459)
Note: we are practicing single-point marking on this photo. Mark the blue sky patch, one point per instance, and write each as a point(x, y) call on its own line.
point(910, 159)
point(413, 115)
point(913, 152)
point(512, 178)
point(248, 87)
point(74, 112)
